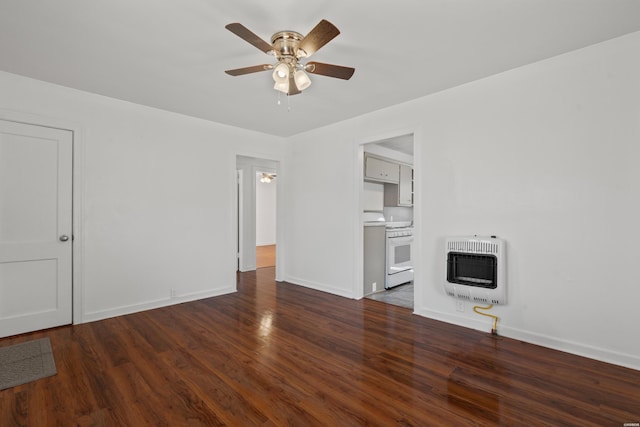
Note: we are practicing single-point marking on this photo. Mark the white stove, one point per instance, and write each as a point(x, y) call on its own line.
point(399, 248)
point(399, 252)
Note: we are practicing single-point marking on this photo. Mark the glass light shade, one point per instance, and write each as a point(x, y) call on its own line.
point(302, 80)
point(281, 73)
point(282, 87)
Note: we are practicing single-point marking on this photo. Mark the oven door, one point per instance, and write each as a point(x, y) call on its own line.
point(399, 254)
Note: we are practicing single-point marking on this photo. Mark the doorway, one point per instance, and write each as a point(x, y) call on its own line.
point(266, 188)
point(257, 211)
point(389, 254)
point(36, 251)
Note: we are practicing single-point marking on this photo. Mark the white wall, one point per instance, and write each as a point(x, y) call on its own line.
point(158, 196)
point(320, 204)
point(265, 211)
point(544, 156)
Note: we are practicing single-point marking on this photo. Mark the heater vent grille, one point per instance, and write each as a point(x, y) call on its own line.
point(473, 246)
point(476, 269)
point(467, 297)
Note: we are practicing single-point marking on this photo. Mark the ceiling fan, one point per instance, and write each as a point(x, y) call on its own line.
point(289, 49)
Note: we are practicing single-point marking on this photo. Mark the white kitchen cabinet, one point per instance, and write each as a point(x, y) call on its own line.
point(377, 169)
point(400, 194)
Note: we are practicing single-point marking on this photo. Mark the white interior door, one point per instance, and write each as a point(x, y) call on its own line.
point(35, 227)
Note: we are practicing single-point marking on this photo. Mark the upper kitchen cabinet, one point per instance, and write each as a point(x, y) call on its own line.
point(378, 169)
point(400, 194)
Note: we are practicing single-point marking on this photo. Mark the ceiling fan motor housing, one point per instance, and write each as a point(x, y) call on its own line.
point(285, 45)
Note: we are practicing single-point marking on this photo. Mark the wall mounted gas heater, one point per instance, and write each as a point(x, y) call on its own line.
point(476, 269)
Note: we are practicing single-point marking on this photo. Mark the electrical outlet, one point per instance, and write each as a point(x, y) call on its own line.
point(374, 286)
point(459, 305)
point(172, 293)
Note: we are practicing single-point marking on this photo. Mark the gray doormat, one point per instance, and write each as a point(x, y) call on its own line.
point(25, 362)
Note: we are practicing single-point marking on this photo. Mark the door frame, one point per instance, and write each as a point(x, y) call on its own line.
point(358, 292)
point(77, 194)
point(280, 244)
point(239, 219)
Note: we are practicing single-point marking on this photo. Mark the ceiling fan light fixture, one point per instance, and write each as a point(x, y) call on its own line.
point(266, 178)
point(302, 79)
point(282, 86)
point(281, 73)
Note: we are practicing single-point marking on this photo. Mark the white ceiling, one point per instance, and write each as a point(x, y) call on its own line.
point(172, 54)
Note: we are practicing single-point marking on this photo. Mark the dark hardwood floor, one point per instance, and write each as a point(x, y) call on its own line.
point(277, 354)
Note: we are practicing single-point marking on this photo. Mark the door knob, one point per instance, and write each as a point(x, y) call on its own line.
point(64, 238)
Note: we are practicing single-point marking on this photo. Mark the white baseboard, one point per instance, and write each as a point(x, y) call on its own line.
point(150, 305)
point(319, 287)
point(454, 319)
point(603, 355)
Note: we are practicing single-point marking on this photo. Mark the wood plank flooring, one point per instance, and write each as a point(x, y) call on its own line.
point(282, 355)
point(265, 256)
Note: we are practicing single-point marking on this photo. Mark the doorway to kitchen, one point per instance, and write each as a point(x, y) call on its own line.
point(256, 212)
point(387, 203)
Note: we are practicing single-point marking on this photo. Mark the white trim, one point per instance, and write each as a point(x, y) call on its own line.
point(595, 353)
point(280, 211)
point(150, 305)
point(358, 288)
point(319, 287)
point(419, 229)
point(79, 191)
point(453, 319)
point(238, 217)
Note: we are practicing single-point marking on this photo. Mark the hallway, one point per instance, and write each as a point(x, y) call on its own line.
point(265, 256)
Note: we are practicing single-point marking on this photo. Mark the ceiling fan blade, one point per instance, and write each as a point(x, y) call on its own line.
point(245, 34)
point(330, 70)
point(249, 70)
point(320, 35)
